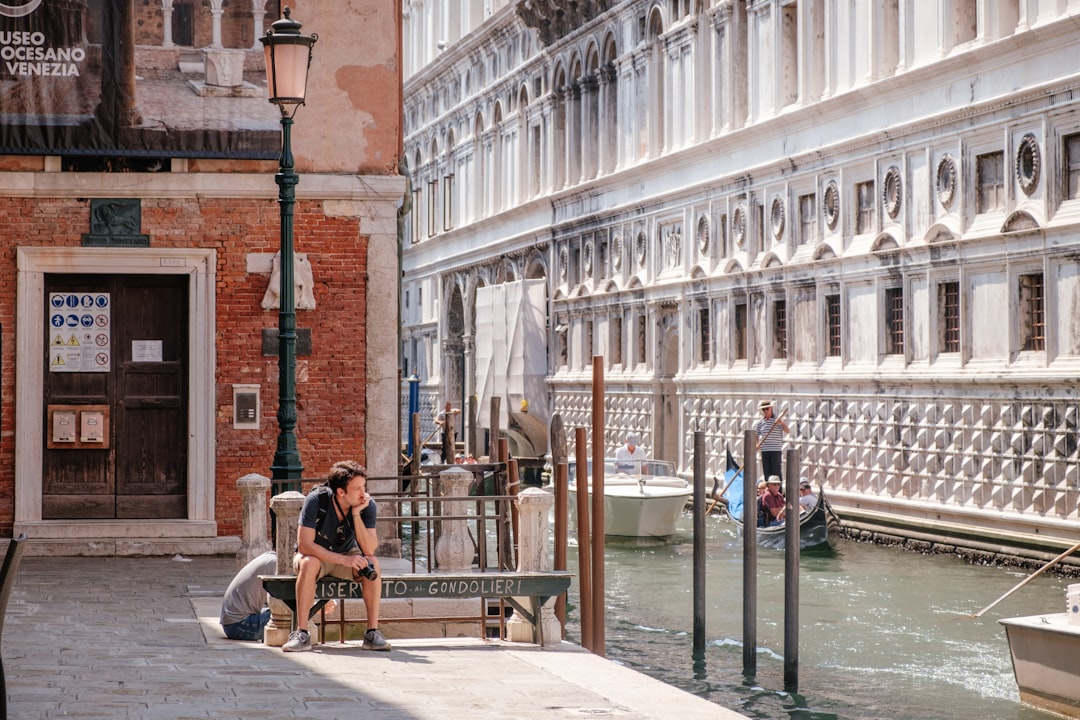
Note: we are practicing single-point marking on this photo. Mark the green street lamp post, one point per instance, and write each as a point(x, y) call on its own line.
point(288, 57)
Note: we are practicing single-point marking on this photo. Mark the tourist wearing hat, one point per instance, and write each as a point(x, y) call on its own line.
point(773, 501)
point(628, 457)
point(762, 516)
point(770, 441)
point(807, 498)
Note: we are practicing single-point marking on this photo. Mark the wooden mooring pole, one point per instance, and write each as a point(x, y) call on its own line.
point(584, 544)
point(749, 652)
point(699, 541)
point(791, 572)
point(598, 503)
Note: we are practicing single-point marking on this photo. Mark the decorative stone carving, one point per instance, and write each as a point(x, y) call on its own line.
point(672, 244)
point(641, 248)
point(776, 217)
point(738, 226)
point(1028, 160)
point(892, 192)
point(564, 263)
point(946, 181)
point(831, 204)
point(303, 280)
point(587, 259)
point(703, 235)
point(616, 252)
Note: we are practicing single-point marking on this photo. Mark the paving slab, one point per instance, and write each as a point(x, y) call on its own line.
point(121, 637)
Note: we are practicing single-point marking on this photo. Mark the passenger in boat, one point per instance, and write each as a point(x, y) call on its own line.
point(336, 537)
point(628, 457)
point(770, 441)
point(773, 501)
point(807, 498)
point(762, 516)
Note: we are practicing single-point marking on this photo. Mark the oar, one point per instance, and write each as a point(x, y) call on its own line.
point(1029, 578)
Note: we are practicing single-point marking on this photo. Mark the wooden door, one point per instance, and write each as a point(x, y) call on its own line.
point(141, 470)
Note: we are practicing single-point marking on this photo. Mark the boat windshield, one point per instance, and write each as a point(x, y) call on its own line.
point(637, 468)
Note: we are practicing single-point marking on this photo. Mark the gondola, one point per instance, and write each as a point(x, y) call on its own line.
point(818, 529)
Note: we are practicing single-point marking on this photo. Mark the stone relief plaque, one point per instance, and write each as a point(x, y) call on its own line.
point(831, 204)
point(738, 226)
point(776, 217)
point(892, 192)
point(946, 181)
point(1027, 164)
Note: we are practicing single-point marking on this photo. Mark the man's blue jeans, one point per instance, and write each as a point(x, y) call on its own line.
point(250, 628)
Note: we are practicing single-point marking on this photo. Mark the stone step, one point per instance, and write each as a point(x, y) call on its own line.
point(131, 546)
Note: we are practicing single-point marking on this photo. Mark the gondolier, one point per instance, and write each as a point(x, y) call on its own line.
point(770, 432)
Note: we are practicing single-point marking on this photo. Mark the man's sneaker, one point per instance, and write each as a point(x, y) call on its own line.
point(374, 640)
point(299, 641)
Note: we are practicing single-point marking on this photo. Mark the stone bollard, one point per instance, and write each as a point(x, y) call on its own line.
point(253, 489)
point(534, 506)
point(454, 548)
point(286, 507)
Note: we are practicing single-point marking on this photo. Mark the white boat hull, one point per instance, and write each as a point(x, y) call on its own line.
point(631, 510)
point(1046, 662)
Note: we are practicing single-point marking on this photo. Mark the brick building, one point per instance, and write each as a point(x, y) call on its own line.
point(157, 238)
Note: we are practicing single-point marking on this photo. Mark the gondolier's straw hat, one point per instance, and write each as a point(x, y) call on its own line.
point(764, 404)
point(774, 480)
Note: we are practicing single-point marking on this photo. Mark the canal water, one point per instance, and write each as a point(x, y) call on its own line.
point(884, 632)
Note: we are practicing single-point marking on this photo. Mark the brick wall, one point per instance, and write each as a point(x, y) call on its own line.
point(330, 383)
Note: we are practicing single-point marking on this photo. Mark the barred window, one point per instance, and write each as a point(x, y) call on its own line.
point(832, 312)
point(949, 316)
point(704, 336)
point(1032, 312)
point(867, 201)
point(989, 182)
point(894, 321)
point(588, 344)
point(1072, 167)
point(780, 329)
point(740, 331)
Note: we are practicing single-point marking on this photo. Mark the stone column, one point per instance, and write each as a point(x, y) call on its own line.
point(166, 23)
point(534, 506)
point(215, 23)
point(454, 548)
point(253, 490)
point(258, 8)
point(286, 507)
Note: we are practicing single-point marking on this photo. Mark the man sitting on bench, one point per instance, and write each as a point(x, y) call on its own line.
point(337, 537)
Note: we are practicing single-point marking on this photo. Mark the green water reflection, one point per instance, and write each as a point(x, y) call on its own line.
point(884, 633)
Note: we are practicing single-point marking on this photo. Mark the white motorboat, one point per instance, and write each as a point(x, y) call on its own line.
point(1046, 661)
point(641, 498)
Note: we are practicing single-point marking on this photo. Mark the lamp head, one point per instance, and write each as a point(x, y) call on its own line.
point(288, 57)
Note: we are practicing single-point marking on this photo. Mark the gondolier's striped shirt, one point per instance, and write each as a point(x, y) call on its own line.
point(775, 442)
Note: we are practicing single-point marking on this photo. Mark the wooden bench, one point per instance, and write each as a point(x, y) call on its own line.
point(539, 587)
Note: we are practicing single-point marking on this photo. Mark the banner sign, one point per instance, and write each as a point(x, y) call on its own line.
point(119, 78)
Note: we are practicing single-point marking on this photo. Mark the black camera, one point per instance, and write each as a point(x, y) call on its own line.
point(368, 572)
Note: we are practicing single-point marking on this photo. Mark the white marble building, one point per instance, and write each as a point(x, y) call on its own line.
point(866, 211)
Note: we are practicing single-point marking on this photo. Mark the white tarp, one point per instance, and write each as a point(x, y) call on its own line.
point(511, 348)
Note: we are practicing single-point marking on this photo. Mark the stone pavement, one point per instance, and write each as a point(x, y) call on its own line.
point(121, 637)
